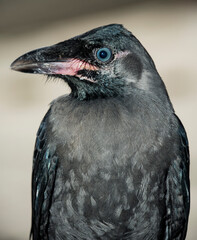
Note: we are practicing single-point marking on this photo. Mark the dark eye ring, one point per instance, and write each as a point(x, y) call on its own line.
point(104, 54)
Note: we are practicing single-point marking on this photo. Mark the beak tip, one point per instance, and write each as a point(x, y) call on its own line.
point(21, 65)
point(16, 64)
point(12, 66)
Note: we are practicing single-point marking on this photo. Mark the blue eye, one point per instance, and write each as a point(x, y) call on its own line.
point(104, 54)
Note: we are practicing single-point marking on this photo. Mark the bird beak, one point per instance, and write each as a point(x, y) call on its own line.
point(51, 61)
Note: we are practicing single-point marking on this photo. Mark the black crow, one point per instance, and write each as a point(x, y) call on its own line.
point(111, 159)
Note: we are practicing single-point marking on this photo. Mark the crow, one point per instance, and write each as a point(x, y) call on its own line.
point(111, 159)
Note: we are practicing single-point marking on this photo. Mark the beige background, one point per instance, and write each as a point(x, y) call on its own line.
point(168, 32)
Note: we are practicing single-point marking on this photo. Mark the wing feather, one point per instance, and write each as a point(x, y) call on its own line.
point(43, 178)
point(178, 193)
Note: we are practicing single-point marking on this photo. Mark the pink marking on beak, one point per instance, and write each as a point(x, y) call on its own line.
point(70, 67)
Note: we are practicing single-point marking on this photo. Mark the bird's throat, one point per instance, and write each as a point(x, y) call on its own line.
point(86, 90)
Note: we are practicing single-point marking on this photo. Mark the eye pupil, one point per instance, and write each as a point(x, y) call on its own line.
point(104, 54)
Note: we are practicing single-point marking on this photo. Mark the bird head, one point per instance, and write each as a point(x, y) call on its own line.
point(105, 62)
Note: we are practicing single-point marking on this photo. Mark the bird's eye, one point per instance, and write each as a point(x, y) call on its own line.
point(104, 54)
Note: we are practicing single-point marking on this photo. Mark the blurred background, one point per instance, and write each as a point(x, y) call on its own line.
point(167, 29)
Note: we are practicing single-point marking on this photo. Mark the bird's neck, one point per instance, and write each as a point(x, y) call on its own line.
point(85, 91)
